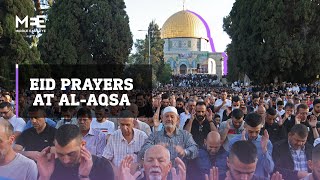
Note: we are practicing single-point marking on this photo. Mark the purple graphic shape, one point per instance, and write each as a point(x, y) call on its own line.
point(225, 57)
point(17, 90)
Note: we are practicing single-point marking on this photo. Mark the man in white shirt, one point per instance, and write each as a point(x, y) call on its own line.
point(222, 104)
point(6, 111)
point(101, 122)
point(191, 105)
point(124, 141)
point(280, 110)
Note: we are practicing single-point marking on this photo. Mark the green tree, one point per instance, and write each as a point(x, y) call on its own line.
point(274, 39)
point(82, 32)
point(14, 47)
point(141, 56)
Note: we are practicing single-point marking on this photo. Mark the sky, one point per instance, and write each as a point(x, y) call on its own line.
point(142, 12)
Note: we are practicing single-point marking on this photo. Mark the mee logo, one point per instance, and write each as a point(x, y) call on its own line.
point(31, 24)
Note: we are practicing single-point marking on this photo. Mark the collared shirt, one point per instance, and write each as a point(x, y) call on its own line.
point(17, 123)
point(95, 142)
point(118, 147)
point(265, 163)
point(180, 137)
point(299, 158)
point(32, 141)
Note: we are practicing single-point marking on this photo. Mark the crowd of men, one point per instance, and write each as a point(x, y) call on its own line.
point(176, 133)
point(195, 80)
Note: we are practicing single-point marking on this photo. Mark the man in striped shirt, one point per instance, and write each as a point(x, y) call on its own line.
point(124, 141)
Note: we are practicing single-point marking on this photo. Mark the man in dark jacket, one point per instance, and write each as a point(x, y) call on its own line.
point(291, 155)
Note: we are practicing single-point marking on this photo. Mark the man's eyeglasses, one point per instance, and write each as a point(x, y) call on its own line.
point(5, 113)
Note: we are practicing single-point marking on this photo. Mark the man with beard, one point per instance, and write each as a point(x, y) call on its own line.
point(179, 142)
point(253, 106)
point(156, 165)
point(230, 128)
point(253, 125)
point(95, 140)
point(180, 105)
point(74, 161)
point(291, 155)
point(200, 124)
point(13, 165)
point(145, 108)
point(316, 112)
point(210, 154)
point(314, 165)
point(36, 138)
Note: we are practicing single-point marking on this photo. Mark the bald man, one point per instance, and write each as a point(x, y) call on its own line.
point(156, 165)
point(210, 154)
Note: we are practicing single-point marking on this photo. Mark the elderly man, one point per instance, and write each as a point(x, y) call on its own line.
point(124, 141)
point(179, 142)
point(156, 164)
point(13, 165)
point(210, 154)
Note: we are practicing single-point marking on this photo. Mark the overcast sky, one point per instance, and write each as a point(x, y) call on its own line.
point(142, 12)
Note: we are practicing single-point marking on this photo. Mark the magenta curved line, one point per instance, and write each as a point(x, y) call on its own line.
point(213, 49)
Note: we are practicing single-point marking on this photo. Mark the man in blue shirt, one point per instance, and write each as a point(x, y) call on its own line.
point(253, 125)
point(210, 154)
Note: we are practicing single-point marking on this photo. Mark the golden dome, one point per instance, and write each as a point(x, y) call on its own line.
point(183, 24)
